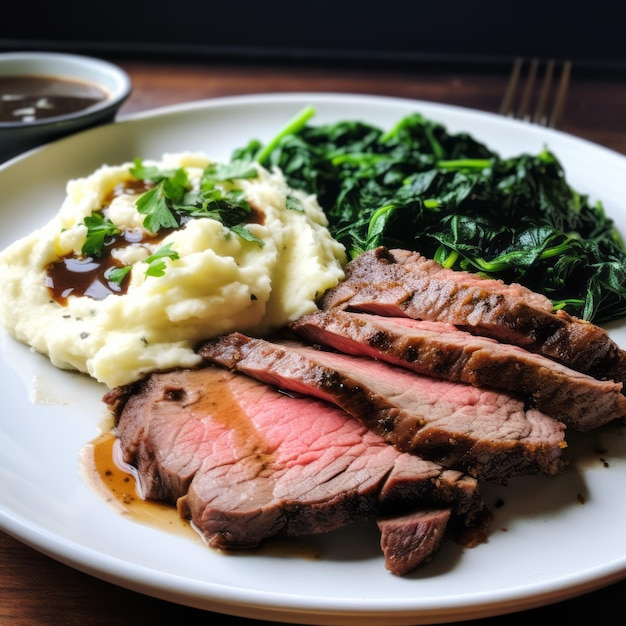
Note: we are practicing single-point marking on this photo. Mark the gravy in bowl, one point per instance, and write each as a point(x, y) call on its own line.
point(31, 98)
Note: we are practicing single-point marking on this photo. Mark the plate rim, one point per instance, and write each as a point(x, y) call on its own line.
point(68, 553)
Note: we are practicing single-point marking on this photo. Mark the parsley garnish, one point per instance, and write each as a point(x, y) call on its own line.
point(156, 261)
point(118, 274)
point(156, 265)
point(98, 229)
point(293, 203)
point(172, 202)
point(159, 204)
point(154, 205)
point(238, 168)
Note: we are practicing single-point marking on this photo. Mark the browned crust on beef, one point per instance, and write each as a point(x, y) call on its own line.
point(442, 350)
point(244, 462)
point(486, 434)
point(404, 283)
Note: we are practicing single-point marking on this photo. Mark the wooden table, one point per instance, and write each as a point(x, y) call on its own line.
point(37, 590)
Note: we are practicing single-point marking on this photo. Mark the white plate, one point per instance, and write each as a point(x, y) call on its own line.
point(553, 538)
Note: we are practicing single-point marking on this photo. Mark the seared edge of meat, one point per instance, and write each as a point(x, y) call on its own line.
point(402, 283)
point(245, 462)
point(441, 350)
point(484, 433)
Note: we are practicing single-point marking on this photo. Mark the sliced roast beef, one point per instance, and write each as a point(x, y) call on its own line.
point(409, 540)
point(245, 462)
point(401, 283)
point(484, 433)
point(444, 351)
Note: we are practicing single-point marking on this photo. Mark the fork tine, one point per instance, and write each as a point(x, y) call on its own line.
point(540, 116)
point(561, 95)
point(527, 97)
point(528, 91)
point(509, 95)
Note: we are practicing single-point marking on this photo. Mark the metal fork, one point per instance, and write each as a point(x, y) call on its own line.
point(516, 104)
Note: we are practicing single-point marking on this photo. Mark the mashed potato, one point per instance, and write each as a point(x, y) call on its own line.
point(220, 282)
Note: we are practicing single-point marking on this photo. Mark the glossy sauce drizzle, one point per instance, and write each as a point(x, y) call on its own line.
point(88, 276)
point(118, 487)
point(116, 484)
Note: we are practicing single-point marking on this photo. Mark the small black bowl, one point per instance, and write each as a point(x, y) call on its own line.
point(77, 92)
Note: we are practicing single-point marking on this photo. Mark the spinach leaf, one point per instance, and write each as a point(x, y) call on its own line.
point(452, 198)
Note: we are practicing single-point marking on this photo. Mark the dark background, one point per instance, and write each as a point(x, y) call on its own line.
point(389, 32)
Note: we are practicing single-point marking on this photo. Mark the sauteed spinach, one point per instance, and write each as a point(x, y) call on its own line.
point(450, 197)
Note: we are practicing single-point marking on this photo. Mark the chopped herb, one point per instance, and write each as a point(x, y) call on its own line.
point(238, 168)
point(155, 206)
point(156, 261)
point(244, 233)
point(172, 201)
point(118, 274)
point(140, 171)
point(98, 229)
point(293, 203)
